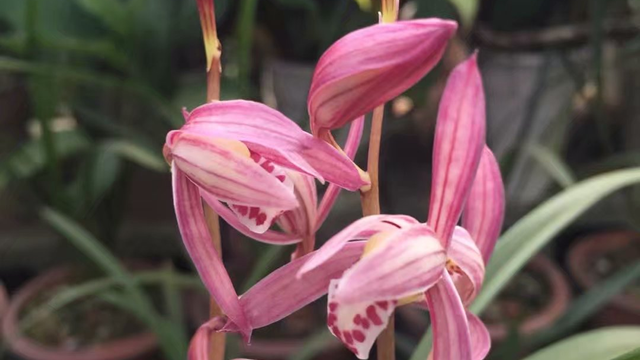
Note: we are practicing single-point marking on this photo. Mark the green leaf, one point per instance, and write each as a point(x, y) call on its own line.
point(631, 355)
point(553, 165)
point(590, 302)
point(112, 13)
point(467, 9)
point(527, 236)
point(137, 153)
point(601, 344)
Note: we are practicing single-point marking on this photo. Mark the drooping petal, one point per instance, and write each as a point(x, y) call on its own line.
point(280, 294)
point(370, 66)
point(200, 345)
point(460, 135)
point(358, 324)
point(484, 211)
point(259, 219)
point(269, 236)
point(197, 241)
point(451, 337)
point(466, 265)
point(275, 137)
point(480, 338)
point(227, 174)
point(406, 262)
point(360, 229)
point(332, 192)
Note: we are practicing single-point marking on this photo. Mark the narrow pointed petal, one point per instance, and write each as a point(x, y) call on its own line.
point(197, 240)
point(467, 267)
point(269, 236)
point(460, 135)
point(332, 192)
point(480, 338)
point(451, 337)
point(360, 229)
point(370, 66)
point(358, 324)
point(406, 262)
point(200, 345)
point(228, 175)
point(484, 212)
point(280, 294)
point(301, 220)
point(277, 138)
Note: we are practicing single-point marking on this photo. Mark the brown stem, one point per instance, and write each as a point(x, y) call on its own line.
point(370, 201)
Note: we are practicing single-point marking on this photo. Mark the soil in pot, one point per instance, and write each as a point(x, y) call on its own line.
point(534, 299)
point(597, 257)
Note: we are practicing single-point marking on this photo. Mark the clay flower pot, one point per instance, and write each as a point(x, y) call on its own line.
point(548, 276)
point(594, 258)
point(129, 347)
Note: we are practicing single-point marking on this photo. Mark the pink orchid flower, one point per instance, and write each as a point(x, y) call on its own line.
point(370, 66)
point(406, 261)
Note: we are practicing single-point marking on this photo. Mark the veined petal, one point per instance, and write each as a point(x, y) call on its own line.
point(460, 135)
point(484, 211)
point(275, 137)
point(360, 229)
point(332, 192)
point(200, 345)
point(467, 268)
point(280, 294)
point(370, 66)
point(227, 174)
point(197, 240)
point(480, 338)
point(358, 324)
point(269, 236)
point(406, 262)
point(451, 337)
point(301, 220)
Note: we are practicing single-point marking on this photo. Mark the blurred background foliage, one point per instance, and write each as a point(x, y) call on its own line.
point(89, 88)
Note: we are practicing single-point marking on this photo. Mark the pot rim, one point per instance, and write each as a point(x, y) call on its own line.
point(27, 348)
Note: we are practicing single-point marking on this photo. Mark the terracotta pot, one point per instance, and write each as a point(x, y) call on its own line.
point(586, 254)
point(131, 347)
point(556, 305)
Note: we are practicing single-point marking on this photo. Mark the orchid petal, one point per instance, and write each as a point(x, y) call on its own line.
point(484, 211)
point(301, 220)
point(460, 134)
point(451, 337)
point(370, 66)
point(227, 174)
point(269, 236)
point(275, 137)
point(406, 262)
point(468, 266)
point(200, 345)
point(332, 192)
point(197, 240)
point(259, 219)
point(360, 229)
point(280, 294)
point(480, 338)
point(358, 324)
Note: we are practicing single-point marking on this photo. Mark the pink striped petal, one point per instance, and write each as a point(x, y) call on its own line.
point(460, 134)
point(332, 192)
point(259, 219)
point(406, 262)
point(280, 294)
point(480, 338)
point(360, 229)
point(275, 137)
point(200, 345)
point(301, 220)
point(197, 240)
point(358, 324)
point(269, 236)
point(370, 66)
point(484, 211)
point(228, 175)
point(467, 269)
point(451, 337)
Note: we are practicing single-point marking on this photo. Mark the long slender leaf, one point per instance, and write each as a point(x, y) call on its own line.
point(631, 355)
point(602, 344)
point(137, 153)
point(553, 165)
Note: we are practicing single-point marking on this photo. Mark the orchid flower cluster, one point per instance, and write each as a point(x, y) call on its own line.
point(256, 168)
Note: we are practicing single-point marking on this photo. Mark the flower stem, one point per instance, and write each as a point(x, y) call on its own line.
point(370, 201)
